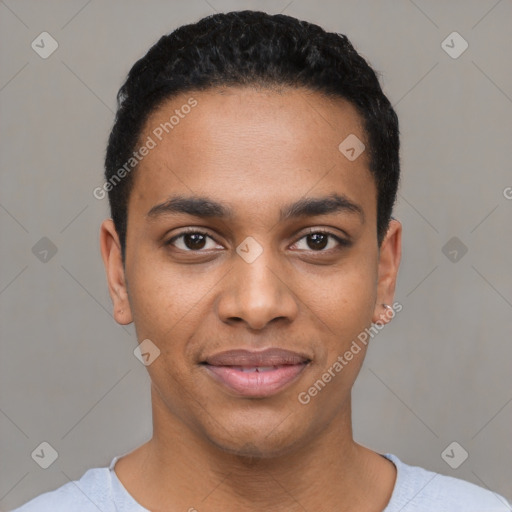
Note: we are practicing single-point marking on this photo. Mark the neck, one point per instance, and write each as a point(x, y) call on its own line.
point(180, 469)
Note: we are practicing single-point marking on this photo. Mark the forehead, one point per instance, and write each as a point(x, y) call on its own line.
point(251, 145)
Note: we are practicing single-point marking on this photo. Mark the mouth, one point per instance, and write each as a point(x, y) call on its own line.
point(256, 374)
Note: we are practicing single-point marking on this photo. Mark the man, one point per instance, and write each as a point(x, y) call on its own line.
point(252, 171)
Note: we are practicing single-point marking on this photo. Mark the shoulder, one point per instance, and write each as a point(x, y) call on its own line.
point(92, 492)
point(420, 490)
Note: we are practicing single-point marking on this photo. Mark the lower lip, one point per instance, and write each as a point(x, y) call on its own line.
point(256, 384)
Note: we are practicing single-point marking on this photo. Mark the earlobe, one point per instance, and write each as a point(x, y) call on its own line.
point(114, 268)
point(389, 262)
point(383, 314)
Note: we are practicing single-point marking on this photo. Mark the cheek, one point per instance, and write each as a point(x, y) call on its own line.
point(162, 313)
point(349, 296)
point(157, 288)
point(157, 300)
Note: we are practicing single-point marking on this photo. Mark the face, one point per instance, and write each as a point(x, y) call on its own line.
point(250, 231)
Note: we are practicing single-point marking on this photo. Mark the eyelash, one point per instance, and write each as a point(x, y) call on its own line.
point(341, 241)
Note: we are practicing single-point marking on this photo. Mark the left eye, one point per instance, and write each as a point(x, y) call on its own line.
point(319, 241)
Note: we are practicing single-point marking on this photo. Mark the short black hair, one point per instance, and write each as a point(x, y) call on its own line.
point(252, 48)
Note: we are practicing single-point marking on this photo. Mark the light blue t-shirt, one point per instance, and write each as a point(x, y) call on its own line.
point(416, 490)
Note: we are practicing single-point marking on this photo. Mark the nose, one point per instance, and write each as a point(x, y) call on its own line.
point(257, 293)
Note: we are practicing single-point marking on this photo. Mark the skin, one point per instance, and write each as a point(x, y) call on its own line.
point(256, 150)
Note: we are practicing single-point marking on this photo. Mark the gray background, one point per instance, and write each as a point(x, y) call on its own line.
point(440, 372)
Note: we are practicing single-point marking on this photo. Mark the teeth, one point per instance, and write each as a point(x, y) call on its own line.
point(246, 369)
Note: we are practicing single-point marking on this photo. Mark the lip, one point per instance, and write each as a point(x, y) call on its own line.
point(267, 357)
point(279, 368)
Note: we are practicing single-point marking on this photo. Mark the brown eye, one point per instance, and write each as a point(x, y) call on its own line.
point(191, 241)
point(194, 241)
point(321, 241)
point(317, 241)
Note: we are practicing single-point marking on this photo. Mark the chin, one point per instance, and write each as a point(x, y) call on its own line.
point(249, 443)
point(254, 450)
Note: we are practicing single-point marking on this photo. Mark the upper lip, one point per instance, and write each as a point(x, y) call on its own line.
point(268, 357)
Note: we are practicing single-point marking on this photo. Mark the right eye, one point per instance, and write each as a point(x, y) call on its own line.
point(191, 241)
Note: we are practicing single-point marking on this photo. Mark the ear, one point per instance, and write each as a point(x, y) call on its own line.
point(112, 259)
point(390, 254)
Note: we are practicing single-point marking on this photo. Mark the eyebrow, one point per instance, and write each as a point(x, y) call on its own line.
point(204, 207)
